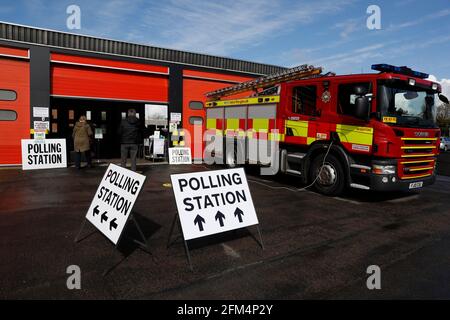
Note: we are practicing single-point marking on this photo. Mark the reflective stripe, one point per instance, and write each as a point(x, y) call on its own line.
point(420, 147)
point(429, 139)
point(244, 101)
point(418, 161)
point(299, 128)
point(415, 177)
point(355, 134)
point(310, 140)
point(417, 155)
point(261, 125)
point(211, 123)
point(233, 124)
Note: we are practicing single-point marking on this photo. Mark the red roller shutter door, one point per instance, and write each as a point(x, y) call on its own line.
point(107, 79)
point(15, 76)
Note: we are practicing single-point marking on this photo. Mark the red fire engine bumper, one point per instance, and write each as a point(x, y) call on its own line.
point(391, 175)
point(393, 183)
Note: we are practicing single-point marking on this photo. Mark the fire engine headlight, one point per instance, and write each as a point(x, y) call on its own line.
point(378, 169)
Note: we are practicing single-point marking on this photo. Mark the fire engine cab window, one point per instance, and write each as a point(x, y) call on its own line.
point(347, 96)
point(304, 100)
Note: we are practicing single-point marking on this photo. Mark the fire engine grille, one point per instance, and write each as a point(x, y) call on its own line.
point(418, 158)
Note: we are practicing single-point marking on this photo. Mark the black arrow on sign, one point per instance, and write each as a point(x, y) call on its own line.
point(220, 216)
point(104, 217)
point(113, 224)
point(238, 213)
point(96, 211)
point(200, 221)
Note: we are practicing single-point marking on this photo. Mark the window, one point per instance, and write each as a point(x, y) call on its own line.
point(196, 105)
point(8, 115)
point(8, 95)
point(347, 96)
point(304, 100)
point(196, 120)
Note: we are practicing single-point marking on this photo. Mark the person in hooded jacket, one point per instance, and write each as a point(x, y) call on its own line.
point(82, 134)
point(130, 137)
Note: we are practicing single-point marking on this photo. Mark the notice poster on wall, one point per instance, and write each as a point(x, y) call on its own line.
point(40, 112)
point(158, 146)
point(41, 126)
point(46, 154)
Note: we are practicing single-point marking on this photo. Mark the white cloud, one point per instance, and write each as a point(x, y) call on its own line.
point(445, 83)
point(420, 20)
point(225, 27)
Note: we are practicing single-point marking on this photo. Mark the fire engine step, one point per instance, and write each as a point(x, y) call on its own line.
point(294, 172)
point(359, 186)
point(296, 155)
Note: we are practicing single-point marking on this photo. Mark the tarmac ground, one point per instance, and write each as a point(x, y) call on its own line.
point(316, 247)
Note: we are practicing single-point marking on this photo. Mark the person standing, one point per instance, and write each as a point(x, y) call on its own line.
point(130, 136)
point(82, 134)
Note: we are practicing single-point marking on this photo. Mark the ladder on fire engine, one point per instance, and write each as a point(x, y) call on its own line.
point(300, 72)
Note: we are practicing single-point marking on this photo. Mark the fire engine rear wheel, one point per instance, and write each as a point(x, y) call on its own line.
point(330, 178)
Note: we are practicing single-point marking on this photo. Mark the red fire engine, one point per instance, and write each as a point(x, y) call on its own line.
point(368, 131)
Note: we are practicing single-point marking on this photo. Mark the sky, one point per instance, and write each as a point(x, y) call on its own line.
point(331, 34)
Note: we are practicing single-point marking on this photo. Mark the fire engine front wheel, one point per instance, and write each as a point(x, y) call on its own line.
point(329, 175)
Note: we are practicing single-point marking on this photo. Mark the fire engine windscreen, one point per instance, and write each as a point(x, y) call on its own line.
point(411, 105)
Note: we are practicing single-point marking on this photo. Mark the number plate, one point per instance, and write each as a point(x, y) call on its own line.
point(415, 185)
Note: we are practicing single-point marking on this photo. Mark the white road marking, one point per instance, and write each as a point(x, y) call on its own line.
point(347, 200)
point(229, 251)
point(405, 199)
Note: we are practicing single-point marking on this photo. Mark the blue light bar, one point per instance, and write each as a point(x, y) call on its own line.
point(399, 70)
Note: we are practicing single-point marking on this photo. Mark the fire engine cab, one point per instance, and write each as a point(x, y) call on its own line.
point(373, 131)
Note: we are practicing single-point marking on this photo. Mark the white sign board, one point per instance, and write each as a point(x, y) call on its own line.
point(158, 146)
point(157, 134)
point(180, 156)
point(40, 112)
point(47, 154)
point(114, 200)
point(98, 133)
point(41, 126)
point(211, 202)
point(175, 117)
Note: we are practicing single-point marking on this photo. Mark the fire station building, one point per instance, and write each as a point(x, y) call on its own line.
point(54, 77)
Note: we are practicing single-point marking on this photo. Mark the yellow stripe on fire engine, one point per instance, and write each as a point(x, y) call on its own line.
point(211, 123)
point(261, 125)
point(236, 102)
point(299, 128)
point(233, 124)
point(355, 134)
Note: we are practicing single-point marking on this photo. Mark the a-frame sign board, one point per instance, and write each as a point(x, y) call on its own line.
point(212, 202)
point(112, 206)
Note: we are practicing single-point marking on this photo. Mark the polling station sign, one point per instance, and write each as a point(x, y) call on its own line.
point(44, 154)
point(180, 156)
point(114, 200)
point(211, 202)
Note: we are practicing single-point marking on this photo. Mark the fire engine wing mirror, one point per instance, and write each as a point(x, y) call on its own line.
point(362, 108)
point(443, 98)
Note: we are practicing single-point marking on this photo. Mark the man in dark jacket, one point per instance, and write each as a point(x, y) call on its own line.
point(130, 137)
